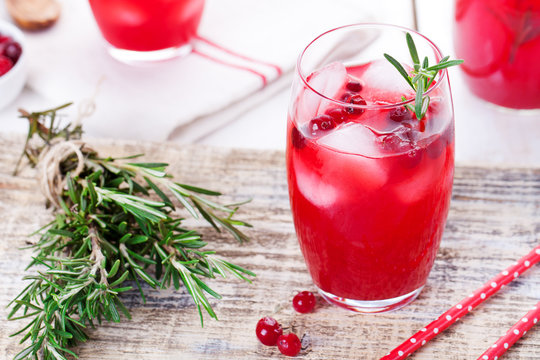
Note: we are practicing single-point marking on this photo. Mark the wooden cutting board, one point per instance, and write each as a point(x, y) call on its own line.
point(494, 220)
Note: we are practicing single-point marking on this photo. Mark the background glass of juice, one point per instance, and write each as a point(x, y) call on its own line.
point(369, 184)
point(146, 30)
point(500, 43)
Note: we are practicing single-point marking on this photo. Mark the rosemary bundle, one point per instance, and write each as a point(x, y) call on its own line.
point(114, 229)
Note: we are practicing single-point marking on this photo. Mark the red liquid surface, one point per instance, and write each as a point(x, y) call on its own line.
point(369, 221)
point(147, 25)
point(500, 43)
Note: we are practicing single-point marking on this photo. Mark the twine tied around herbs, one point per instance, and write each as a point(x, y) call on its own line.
point(52, 180)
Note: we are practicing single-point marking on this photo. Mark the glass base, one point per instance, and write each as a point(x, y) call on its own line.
point(372, 306)
point(512, 111)
point(141, 57)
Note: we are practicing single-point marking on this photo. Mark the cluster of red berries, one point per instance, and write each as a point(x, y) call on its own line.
point(338, 115)
point(270, 333)
point(10, 52)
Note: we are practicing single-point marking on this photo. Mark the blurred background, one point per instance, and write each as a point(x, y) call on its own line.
point(209, 97)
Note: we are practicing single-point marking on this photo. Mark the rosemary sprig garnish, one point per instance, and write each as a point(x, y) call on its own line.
point(114, 223)
point(421, 76)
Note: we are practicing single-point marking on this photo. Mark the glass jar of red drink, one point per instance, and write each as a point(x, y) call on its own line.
point(147, 30)
point(500, 43)
point(369, 183)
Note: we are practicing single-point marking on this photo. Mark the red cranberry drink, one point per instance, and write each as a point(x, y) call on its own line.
point(500, 42)
point(369, 177)
point(144, 26)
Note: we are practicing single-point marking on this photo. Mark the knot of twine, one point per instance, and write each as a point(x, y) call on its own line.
point(51, 179)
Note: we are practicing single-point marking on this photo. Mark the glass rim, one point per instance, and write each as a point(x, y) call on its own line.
point(440, 75)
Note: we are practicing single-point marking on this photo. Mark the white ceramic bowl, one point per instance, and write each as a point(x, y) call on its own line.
point(12, 82)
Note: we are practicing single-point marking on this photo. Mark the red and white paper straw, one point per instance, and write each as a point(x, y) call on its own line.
point(464, 306)
point(514, 334)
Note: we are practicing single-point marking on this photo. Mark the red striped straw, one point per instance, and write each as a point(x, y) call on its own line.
point(464, 306)
point(514, 334)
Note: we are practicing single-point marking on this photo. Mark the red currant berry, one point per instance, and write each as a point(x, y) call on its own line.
point(304, 302)
point(434, 107)
point(435, 149)
point(13, 51)
point(289, 344)
point(392, 143)
point(422, 125)
point(346, 96)
point(321, 123)
point(354, 86)
point(338, 114)
point(5, 64)
point(400, 140)
point(412, 158)
point(355, 100)
point(298, 140)
point(410, 130)
point(400, 114)
point(268, 330)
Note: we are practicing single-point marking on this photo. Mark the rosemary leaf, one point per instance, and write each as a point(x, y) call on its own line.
point(421, 77)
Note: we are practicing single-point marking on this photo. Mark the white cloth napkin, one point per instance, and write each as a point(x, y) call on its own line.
point(169, 99)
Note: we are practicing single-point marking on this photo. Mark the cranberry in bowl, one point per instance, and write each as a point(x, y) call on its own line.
point(12, 63)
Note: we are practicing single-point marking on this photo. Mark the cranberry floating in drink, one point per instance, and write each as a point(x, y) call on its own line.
point(500, 43)
point(370, 162)
point(147, 30)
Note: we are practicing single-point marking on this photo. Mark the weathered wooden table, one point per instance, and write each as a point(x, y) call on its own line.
point(494, 220)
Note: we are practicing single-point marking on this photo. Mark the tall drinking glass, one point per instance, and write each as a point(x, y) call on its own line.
point(146, 30)
point(369, 183)
point(500, 43)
